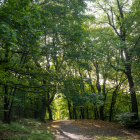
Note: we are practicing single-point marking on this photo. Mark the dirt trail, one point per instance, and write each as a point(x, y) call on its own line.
point(68, 130)
point(91, 130)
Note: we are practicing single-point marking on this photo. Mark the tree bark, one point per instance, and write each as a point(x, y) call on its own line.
point(44, 105)
point(50, 113)
point(87, 112)
point(113, 101)
point(96, 114)
point(74, 112)
point(102, 107)
point(101, 111)
point(6, 118)
point(69, 108)
point(132, 92)
point(82, 113)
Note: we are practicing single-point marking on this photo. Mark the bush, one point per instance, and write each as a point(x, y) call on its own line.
point(30, 122)
point(126, 119)
point(25, 129)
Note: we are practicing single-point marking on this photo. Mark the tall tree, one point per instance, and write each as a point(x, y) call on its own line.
point(117, 17)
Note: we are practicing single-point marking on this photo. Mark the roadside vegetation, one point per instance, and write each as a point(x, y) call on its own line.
point(25, 129)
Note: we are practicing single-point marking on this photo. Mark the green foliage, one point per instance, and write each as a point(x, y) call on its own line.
point(60, 106)
point(31, 137)
point(110, 138)
point(30, 122)
point(126, 119)
point(27, 129)
point(53, 53)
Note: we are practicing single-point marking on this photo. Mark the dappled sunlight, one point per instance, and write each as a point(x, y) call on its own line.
point(126, 132)
point(74, 136)
point(27, 129)
point(97, 125)
point(55, 126)
point(70, 67)
point(109, 138)
point(92, 130)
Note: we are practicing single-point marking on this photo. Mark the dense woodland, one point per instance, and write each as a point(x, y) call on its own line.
point(70, 59)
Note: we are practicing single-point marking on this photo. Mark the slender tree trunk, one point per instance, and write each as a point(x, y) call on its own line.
point(74, 112)
point(98, 78)
point(102, 107)
point(7, 118)
point(87, 113)
point(96, 113)
point(50, 112)
point(102, 112)
point(99, 90)
point(113, 101)
point(49, 101)
point(82, 113)
point(69, 108)
point(44, 105)
point(11, 105)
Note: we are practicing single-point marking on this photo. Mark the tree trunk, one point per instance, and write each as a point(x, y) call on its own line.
point(132, 92)
point(50, 112)
point(96, 114)
point(101, 111)
point(69, 108)
point(6, 118)
point(87, 113)
point(82, 113)
point(102, 107)
point(74, 112)
point(113, 101)
point(44, 104)
point(11, 105)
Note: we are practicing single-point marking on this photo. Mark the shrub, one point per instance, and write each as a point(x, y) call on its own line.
point(25, 129)
point(126, 119)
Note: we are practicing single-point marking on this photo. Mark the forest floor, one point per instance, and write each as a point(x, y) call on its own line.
point(91, 130)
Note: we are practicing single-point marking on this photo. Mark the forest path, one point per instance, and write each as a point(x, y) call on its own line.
point(91, 130)
point(68, 130)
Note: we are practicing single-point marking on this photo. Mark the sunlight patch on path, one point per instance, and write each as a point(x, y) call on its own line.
point(70, 136)
point(92, 130)
point(69, 131)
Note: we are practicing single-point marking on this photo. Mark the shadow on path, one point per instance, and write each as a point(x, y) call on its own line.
point(90, 130)
point(68, 130)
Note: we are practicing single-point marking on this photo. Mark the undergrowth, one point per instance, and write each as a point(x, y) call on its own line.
point(25, 129)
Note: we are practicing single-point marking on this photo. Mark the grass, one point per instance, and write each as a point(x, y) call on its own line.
point(110, 138)
point(26, 129)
